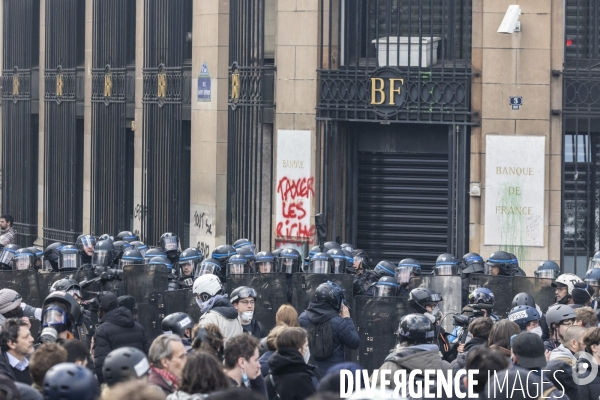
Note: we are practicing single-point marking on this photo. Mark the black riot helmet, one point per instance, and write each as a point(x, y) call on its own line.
point(264, 262)
point(23, 259)
point(71, 286)
point(85, 244)
point(238, 264)
point(120, 247)
point(124, 364)
point(140, 246)
point(69, 259)
point(169, 243)
point(361, 259)
point(472, 263)
point(38, 257)
point(385, 268)
point(313, 250)
point(523, 299)
point(547, 269)
point(131, 257)
point(69, 381)
point(60, 311)
point(155, 252)
point(162, 261)
point(405, 270)
point(446, 264)
point(416, 328)
point(340, 261)
point(210, 266)
point(348, 247)
point(420, 297)
point(289, 261)
point(188, 259)
point(127, 236)
point(103, 253)
point(177, 323)
point(386, 287)
point(222, 253)
point(6, 256)
point(51, 256)
point(331, 245)
point(330, 293)
point(500, 263)
point(247, 253)
point(320, 263)
point(592, 277)
point(106, 236)
point(244, 244)
point(277, 252)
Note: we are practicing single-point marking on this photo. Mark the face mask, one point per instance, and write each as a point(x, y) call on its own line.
point(246, 316)
point(245, 379)
point(306, 356)
point(537, 330)
point(200, 303)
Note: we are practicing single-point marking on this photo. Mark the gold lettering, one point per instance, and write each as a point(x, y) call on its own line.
point(16, 84)
point(393, 89)
point(518, 171)
point(235, 86)
point(514, 210)
point(59, 85)
point(162, 85)
point(375, 90)
point(108, 85)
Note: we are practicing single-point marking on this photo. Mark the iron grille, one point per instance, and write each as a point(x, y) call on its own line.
point(250, 125)
point(359, 38)
point(19, 126)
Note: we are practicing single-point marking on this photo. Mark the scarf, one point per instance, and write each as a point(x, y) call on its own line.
point(171, 379)
point(208, 305)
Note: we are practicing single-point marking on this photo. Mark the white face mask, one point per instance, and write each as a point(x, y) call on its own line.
point(246, 316)
point(201, 303)
point(537, 330)
point(307, 356)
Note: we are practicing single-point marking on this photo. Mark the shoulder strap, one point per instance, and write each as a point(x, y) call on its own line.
point(547, 392)
point(274, 386)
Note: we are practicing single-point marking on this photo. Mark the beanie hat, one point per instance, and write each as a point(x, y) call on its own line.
point(109, 301)
point(9, 300)
point(582, 293)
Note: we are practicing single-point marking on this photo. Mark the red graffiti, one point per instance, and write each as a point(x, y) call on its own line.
point(299, 188)
point(293, 230)
point(293, 210)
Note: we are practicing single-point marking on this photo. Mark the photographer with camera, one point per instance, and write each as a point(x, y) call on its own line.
point(479, 329)
point(117, 329)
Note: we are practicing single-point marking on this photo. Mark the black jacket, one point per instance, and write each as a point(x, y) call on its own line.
point(461, 359)
point(256, 329)
point(291, 375)
point(5, 368)
point(117, 329)
point(591, 391)
point(343, 329)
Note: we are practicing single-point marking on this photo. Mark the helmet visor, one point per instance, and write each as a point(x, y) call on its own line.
point(445, 269)
point(207, 267)
point(169, 243)
point(248, 246)
point(6, 257)
point(186, 268)
point(68, 261)
point(318, 267)
point(123, 262)
point(102, 257)
point(75, 292)
point(54, 315)
point(492, 269)
point(286, 265)
point(23, 261)
point(245, 292)
point(546, 273)
point(87, 242)
point(265, 267)
point(339, 266)
point(142, 249)
point(235, 269)
point(383, 290)
point(403, 274)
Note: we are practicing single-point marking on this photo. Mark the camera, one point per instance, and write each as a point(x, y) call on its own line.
point(510, 23)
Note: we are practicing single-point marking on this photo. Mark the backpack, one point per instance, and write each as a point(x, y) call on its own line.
point(320, 339)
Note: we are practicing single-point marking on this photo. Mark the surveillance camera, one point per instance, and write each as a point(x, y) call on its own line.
point(511, 23)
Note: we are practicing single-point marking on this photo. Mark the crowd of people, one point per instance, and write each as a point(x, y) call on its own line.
point(90, 349)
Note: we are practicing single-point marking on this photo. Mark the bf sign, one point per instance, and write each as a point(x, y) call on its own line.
point(387, 91)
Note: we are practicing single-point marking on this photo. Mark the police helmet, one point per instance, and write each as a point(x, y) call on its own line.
point(320, 263)
point(405, 270)
point(547, 269)
point(103, 253)
point(69, 259)
point(289, 261)
point(23, 259)
point(330, 293)
point(127, 236)
point(264, 262)
point(244, 244)
point(446, 264)
point(339, 261)
point(472, 263)
point(238, 264)
point(385, 268)
point(386, 287)
point(500, 263)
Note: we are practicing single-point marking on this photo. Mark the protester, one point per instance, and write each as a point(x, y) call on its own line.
point(45, 357)
point(202, 374)
point(479, 329)
point(559, 317)
point(288, 367)
point(500, 335)
point(167, 357)
point(331, 381)
point(133, 390)
point(271, 344)
point(117, 329)
point(215, 307)
point(287, 315)
point(485, 360)
point(16, 343)
point(241, 363)
point(572, 343)
point(208, 338)
point(586, 317)
point(591, 391)
point(124, 364)
point(67, 381)
point(77, 352)
point(582, 295)
point(243, 300)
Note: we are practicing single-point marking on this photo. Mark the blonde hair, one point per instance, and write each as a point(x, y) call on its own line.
point(287, 316)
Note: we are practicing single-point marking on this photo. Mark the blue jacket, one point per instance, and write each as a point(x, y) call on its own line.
point(343, 329)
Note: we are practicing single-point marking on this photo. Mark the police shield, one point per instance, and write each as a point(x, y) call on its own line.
point(147, 283)
point(182, 300)
point(450, 287)
point(377, 319)
point(305, 285)
point(271, 294)
point(501, 286)
point(539, 288)
point(24, 282)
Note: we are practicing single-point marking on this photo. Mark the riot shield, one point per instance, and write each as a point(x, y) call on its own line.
point(450, 287)
point(24, 282)
point(182, 300)
point(270, 289)
point(147, 283)
point(377, 319)
point(304, 286)
point(539, 288)
point(501, 286)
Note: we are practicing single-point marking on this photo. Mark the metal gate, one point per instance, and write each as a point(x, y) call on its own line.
point(165, 177)
point(580, 233)
point(19, 126)
point(113, 85)
point(63, 131)
point(250, 124)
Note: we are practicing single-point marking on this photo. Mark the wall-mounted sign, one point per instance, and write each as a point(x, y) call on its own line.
point(514, 190)
point(387, 91)
point(516, 102)
point(204, 92)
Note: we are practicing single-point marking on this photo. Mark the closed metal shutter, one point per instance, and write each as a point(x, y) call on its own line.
point(403, 206)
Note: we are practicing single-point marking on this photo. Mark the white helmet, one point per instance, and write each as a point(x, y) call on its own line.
point(568, 280)
point(207, 286)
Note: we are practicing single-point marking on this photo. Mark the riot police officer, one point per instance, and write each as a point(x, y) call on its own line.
point(38, 257)
point(471, 263)
point(265, 262)
point(211, 266)
point(364, 276)
point(504, 264)
point(23, 259)
point(51, 256)
point(179, 324)
point(222, 253)
point(173, 281)
point(238, 264)
point(248, 254)
point(131, 257)
point(386, 287)
point(188, 259)
point(244, 244)
point(127, 236)
point(339, 260)
point(156, 252)
point(320, 263)
point(103, 254)
point(139, 246)
point(446, 264)
point(85, 245)
point(69, 259)
point(289, 262)
point(547, 269)
point(120, 247)
point(169, 243)
point(407, 269)
point(6, 256)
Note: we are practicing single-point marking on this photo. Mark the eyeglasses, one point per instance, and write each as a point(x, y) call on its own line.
point(247, 302)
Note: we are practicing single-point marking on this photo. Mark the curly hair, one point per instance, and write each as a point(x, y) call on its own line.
point(240, 346)
point(213, 343)
point(591, 337)
point(210, 380)
point(10, 332)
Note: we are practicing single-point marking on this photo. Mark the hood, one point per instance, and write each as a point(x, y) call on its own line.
point(287, 360)
point(119, 316)
point(561, 352)
point(418, 357)
point(319, 312)
point(224, 307)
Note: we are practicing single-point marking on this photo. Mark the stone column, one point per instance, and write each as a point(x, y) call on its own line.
point(137, 122)
point(42, 103)
point(87, 118)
